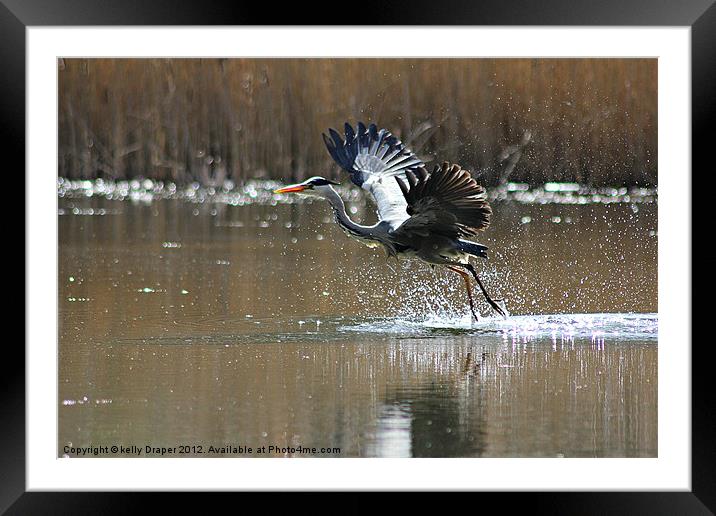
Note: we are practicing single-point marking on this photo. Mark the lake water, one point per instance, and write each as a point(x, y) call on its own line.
point(260, 324)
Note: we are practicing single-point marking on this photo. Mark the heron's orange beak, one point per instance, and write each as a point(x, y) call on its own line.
point(291, 188)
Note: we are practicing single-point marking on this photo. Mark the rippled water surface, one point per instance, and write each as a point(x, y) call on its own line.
point(261, 324)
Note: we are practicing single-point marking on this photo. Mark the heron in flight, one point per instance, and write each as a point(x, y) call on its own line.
point(422, 215)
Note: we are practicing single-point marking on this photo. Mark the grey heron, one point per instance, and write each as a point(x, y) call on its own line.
point(422, 215)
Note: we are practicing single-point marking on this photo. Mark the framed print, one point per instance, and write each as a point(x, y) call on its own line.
point(271, 241)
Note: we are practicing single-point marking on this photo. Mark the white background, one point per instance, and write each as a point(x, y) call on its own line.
point(671, 470)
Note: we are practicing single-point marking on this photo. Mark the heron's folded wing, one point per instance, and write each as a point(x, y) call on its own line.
point(373, 158)
point(446, 202)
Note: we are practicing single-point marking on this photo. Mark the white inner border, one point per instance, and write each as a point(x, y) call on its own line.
point(671, 470)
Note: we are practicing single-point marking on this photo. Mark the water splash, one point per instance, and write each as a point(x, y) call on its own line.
point(523, 327)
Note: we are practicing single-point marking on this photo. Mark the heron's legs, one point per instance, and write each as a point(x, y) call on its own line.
point(469, 289)
point(493, 304)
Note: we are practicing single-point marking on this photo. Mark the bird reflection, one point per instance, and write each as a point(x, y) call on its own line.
point(438, 417)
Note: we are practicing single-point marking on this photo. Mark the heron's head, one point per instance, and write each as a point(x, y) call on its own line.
point(311, 186)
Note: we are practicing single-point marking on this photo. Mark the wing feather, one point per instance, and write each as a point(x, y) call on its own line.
point(448, 202)
point(373, 157)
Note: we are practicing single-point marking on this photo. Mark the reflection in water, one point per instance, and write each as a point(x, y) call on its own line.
point(443, 419)
point(216, 325)
point(393, 434)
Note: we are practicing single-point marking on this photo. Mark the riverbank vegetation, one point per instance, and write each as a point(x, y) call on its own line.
point(590, 121)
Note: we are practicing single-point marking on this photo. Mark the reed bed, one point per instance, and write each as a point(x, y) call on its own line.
point(591, 121)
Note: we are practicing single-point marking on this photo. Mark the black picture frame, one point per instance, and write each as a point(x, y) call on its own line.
point(700, 15)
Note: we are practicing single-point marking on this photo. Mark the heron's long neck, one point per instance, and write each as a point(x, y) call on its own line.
point(339, 210)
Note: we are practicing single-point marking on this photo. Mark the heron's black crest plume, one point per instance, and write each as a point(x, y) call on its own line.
point(321, 181)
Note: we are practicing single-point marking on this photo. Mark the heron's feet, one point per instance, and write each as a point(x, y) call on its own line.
point(499, 308)
point(498, 305)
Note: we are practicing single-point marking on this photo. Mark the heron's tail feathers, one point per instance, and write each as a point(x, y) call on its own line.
point(472, 248)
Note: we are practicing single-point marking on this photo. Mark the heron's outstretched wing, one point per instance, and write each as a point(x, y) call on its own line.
point(374, 157)
point(447, 202)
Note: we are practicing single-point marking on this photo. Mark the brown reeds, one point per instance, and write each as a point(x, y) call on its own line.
point(534, 120)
